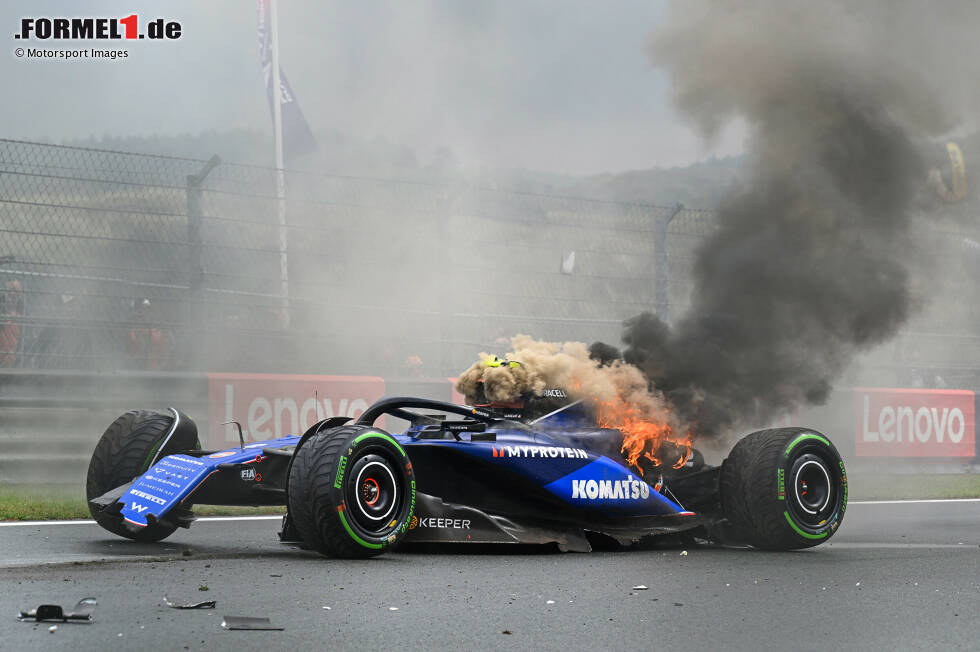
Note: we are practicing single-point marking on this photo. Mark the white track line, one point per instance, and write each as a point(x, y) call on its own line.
point(888, 545)
point(275, 517)
point(270, 517)
point(912, 502)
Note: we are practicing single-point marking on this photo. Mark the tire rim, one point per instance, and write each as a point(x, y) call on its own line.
point(813, 494)
point(373, 489)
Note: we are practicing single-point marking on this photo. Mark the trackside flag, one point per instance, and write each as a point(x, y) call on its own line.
point(297, 138)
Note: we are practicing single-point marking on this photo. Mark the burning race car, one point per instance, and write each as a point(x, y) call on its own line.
point(469, 474)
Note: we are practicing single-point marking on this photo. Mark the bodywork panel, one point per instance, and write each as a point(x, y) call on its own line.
point(503, 482)
point(180, 478)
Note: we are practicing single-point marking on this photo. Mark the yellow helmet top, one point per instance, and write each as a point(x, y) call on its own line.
point(494, 361)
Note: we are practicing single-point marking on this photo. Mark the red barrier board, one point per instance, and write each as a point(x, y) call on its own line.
point(455, 396)
point(925, 423)
point(273, 405)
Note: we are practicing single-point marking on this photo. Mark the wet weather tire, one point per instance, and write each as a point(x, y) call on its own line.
point(124, 452)
point(784, 489)
point(351, 492)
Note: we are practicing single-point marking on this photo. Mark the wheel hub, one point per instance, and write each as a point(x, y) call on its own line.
point(813, 486)
point(373, 492)
point(370, 491)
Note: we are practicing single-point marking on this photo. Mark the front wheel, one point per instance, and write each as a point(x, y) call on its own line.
point(125, 451)
point(784, 489)
point(351, 491)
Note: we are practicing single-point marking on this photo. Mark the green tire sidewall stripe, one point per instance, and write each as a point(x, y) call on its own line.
point(843, 506)
point(381, 435)
point(804, 437)
point(343, 519)
point(806, 535)
point(149, 456)
point(797, 440)
point(153, 451)
point(366, 544)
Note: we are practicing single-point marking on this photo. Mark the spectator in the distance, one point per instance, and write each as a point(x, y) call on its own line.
point(146, 347)
point(11, 311)
point(912, 375)
point(413, 366)
point(66, 342)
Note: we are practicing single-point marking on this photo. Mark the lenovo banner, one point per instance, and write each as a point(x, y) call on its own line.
point(273, 405)
point(927, 423)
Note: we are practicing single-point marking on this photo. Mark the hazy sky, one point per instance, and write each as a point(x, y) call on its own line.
point(558, 85)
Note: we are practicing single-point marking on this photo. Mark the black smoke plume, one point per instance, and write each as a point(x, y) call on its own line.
point(809, 264)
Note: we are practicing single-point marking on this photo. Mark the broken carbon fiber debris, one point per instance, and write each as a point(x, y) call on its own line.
point(249, 623)
point(206, 604)
point(54, 612)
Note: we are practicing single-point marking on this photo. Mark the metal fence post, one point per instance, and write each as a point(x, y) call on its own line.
point(283, 248)
point(661, 268)
point(193, 307)
point(447, 353)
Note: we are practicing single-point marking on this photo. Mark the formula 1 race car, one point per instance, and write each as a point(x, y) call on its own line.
point(462, 474)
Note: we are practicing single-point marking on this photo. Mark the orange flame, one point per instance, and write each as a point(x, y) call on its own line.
point(643, 436)
point(683, 458)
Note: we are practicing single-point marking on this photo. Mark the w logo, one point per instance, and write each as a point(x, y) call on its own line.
point(136, 507)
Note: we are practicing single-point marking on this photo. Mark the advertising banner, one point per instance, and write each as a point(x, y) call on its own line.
point(273, 405)
point(455, 396)
point(915, 423)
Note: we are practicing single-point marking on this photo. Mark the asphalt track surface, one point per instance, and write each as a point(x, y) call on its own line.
point(902, 576)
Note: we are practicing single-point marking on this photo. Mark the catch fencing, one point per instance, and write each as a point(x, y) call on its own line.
point(129, 261)
point(114, 260)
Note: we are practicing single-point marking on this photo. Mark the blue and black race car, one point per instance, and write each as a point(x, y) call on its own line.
point(463, 474)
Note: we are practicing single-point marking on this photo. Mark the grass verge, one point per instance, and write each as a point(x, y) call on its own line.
point(34, 502)
point(30, 502)
point(912, 487)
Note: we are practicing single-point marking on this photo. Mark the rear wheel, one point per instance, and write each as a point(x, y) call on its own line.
point(784, 488)
point(351, 491)
point(123, 453)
